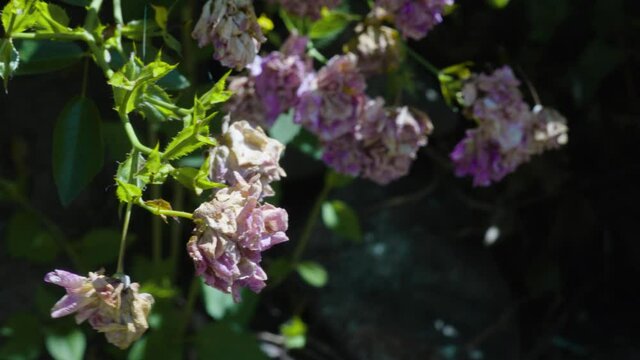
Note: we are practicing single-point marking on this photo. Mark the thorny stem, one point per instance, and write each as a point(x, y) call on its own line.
point(175, 108)
point(311, 222)
point(158, 211)
point(123, 239)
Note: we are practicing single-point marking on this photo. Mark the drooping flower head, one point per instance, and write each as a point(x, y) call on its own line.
point(247, 151)
point(415, 18)
point(231, 27)
point(231, 232)
point(383, 146)
point(245, 103)
point(310, 9)
point(330, 102)
point(509, 132)
point(111, 306)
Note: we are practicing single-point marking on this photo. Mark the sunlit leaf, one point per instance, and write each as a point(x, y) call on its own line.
point(9, 60)
point(68, 346)
point(127, 193)
point(313, 273)
point(44, 56)
point(342, 219)
point(284, 129)
point(294, 332)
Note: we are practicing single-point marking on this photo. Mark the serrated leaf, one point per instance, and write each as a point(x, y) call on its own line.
point(155, 171)
point(42, 56)
point(127, 193)
point(339, 217)
point(187, 140)
point(127, 170)
point(313, 273)
point(9, 61)
point(77, 148)
point(217, 94)
point(19, 15)
point(51, 18)
point(70, 346)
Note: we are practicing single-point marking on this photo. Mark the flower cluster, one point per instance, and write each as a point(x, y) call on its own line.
point(310, 9)
point(509, 132)
point(383, 144)
point(235, 227)
point(331, 100)
point(272, 85)
point(231, 232)
point(415, 18)
point(377, 49)
point(111, 306)
point(246, 151)
point(231, 27)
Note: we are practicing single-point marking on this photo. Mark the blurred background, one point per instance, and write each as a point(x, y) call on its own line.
point(543, 265)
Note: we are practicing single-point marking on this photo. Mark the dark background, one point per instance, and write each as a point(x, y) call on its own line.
point(560, 282)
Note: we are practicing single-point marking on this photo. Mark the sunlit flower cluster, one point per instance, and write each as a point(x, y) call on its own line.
point(310, 9)
point(509, 132)
point(111, 306)
point(231, 27)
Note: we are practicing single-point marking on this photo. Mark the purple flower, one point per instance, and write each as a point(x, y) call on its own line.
point(377, 49)
point(383, 145)
point(508, 131)
point(246, 151)
point(245, 103)
point(330, 102)
point(231, 27)
point(111, 306)
point(231, 232)
point(415, 18)
point(309, 9)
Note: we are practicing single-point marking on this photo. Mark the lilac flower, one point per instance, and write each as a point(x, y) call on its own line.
point(246, 151)
point(508, 131)
point(330, 102)
point(231, 27)
point(377, 49)
point(231, 232)
point(415, 18)
point(245, 103)
point(278, 77)
point(110, 305)
point(309, 9)
point(383, 145)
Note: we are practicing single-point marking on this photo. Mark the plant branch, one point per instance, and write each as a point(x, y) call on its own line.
point(158, 211)
point(311, 223)
point(422, 61)
point(117, 12)
point(182, 112)
point(123, 240)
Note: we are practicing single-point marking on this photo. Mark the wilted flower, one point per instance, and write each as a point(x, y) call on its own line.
point(231, 232)
point(330, 102)
point(231, 27)
point(309, 9)
point(245, 103)
point(383, 146)
point(278, 77)
point(111, 306)
point(246, 151)
point(508, 131)
point(377, 49)
point(415, 18)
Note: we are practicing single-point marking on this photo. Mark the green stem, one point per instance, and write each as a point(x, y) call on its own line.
point(133, 138)
point(176, 229)
point(91, 22)
point(311, 223)
point(182, 112)
point(194, 290)
point(156, 193)
point(157, 211)
point(117, 12)
point(123, 240)
point(422, 61)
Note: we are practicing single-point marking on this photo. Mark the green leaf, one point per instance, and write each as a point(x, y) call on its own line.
point(294, 332)
point(174, 81)
point(337, 180)
point(217, 94)
point(69, 346)
point(216, 302)
point(127, 169)
point(221, 341)
point(77, 148)
point(188, 140)
point(127, 193)
point(195, 179)
point(9, 61)
point(313, 273)
point(51, 18)
point(25, 339)
point(339, 217)
point(19, 15)
point(44, 56)
point(99, 247)
point(161, 16)
point(83, 3)
point(155, 171)
point(284, 129)
point(330, 24)
point(27, 239)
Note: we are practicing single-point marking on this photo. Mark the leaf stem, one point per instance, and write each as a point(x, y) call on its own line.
point(157, 211)
point(117, 12)
point(311, 222)
point(123, 239)
point(175, 108)
point(91, 22)
point(133, 138)
point(422, 61)
point(194, 290)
